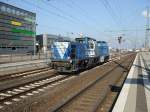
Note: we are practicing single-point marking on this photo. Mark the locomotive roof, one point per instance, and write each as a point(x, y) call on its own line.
point(101, 42)
point(82, 38)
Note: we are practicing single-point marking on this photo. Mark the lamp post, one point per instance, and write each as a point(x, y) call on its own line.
point(119, 41)
point(146, 14)
point(35, 40)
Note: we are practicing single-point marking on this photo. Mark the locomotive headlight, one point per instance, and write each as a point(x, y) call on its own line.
point(68, 57)
point(70, 61)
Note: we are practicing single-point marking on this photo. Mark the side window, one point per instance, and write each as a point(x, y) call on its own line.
point(8, 10)
point(3, 8)
point(13, 11)
point(91, 46)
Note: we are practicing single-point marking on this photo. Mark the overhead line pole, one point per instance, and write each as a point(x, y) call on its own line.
point(147, 30)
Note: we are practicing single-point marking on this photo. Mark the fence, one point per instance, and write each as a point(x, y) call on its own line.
point(10, 58)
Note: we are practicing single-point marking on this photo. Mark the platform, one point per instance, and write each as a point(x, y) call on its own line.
point(135, 94)
point(8, 68)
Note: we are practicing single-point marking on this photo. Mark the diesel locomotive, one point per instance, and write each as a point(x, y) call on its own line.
point(85, 52)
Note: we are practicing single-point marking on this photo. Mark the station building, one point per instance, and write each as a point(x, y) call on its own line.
point(44, 41)
point(17, 29)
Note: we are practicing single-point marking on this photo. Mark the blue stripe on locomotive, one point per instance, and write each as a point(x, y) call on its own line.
point(103, 48)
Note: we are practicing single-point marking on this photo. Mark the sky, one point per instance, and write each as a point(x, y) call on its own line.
point(99, 19)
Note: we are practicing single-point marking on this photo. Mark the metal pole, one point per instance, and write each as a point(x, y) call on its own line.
point(119, 51)
point(119, 41)
point(34, 45)
point(136, 39)
point(147, 30)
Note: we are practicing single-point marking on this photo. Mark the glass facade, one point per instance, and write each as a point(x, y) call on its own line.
point(17, 27)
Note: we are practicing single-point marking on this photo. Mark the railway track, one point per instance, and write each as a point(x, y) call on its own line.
point(24, 74)
point(107, 104)
point(91, 97)
point(11, 94)
point(36, 86)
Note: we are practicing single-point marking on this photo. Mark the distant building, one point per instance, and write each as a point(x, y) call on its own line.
point(17, 29)
point(44, 41)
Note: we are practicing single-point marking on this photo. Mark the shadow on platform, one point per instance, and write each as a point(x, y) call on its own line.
point(141, 80)
point(147, 70)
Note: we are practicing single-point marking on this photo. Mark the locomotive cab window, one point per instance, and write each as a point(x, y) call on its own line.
point(91, 45)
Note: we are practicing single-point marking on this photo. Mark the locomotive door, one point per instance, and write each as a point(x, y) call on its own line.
point(73, 56)
point(73, 52)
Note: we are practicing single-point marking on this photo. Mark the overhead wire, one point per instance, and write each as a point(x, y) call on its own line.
point(110, 10)
point(73, 17)
point(63, 12)
point(119, 11)
point(73, 4)
point(49, 11)
point(116, 17)
point(84, 11)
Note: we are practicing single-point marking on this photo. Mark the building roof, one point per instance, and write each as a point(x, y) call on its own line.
point(52, 36)
point(17, 8)
point(82, 38)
